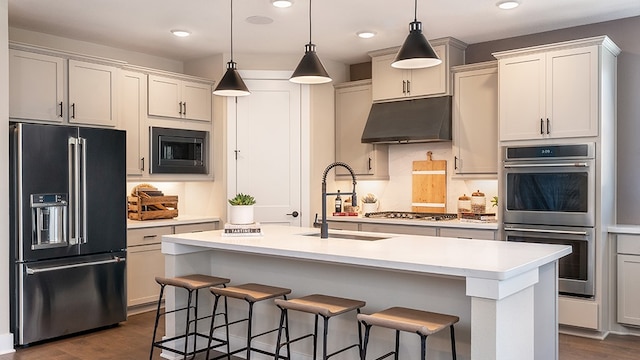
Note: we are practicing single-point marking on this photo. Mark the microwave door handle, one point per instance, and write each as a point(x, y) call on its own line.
point(547, 231)
point(576, 164)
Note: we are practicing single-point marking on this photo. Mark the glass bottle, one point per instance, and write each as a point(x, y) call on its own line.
point(338, 203)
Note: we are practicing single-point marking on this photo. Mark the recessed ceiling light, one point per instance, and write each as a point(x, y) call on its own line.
point(180, 33)
point(508, 4)
point(366, 34)
point(282, 3)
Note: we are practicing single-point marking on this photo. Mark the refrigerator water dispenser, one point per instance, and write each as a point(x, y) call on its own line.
point(49, 220)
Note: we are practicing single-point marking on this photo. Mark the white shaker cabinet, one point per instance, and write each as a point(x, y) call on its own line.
point(36, 86)
point(554, 91)
point(391, 84)
point(92, 94)
point(628, 259)
point(368, 161)
point(133, 97)
point(176, 98)
point(475, 119)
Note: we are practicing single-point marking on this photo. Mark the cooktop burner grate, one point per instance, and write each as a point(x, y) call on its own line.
point(411, 215)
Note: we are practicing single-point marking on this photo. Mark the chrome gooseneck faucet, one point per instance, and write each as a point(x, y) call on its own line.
point(324, 228)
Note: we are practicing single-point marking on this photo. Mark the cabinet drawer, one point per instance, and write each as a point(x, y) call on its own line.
point(339, 225)
point(147, 236)
point(400, 229)
point(187, 228)
point(467, 233)
point(628, 244)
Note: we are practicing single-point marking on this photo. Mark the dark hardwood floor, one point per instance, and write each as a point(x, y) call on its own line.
point(130, 341)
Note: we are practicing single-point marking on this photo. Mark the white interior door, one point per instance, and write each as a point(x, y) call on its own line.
point(265, 149)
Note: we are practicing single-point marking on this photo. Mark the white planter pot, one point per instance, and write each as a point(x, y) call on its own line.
point(369, 207)
point(241, 214)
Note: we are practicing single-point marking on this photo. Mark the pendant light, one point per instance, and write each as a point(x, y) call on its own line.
point(416, 52)
point(231, 83)
point(310, 69)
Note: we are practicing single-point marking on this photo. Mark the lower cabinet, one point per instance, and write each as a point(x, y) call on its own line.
point(462, 233)
point(145, 260)
point(468, 233)
point(628, 285)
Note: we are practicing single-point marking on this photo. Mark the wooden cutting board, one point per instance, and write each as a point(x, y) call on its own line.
point(429, 193)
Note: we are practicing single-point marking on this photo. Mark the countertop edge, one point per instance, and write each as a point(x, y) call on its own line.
point(624, 229)
point(180, 220)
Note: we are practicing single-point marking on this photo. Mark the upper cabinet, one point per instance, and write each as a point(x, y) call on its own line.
point(368, 161)
point(554, 91)
point(133, 98)
point(51, 88)
point(475, 119)
point(392, 84)
point(182, 99)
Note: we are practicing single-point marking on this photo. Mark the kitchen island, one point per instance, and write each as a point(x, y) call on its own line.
point(504, 293)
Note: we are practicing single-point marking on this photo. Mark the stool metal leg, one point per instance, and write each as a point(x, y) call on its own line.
point(249, 321)
point(315, 338)
point(365, 342)
point(453, 343)
point(186, 339)
point(324, 338)
point(423, 347)
point(155, 327)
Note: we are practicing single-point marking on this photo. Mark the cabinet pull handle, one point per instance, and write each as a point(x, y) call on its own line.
point(408, 87)
point(548, 132)
point(73, 110)
point(180, 108)
point(455, 163)
point(404, 87)
point(60, 108)
point(184, 108)
point(541, 126)
point(142, 162)
point(370, 164)
point(149, 236)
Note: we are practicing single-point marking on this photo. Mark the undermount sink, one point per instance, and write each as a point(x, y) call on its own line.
point(350, 236)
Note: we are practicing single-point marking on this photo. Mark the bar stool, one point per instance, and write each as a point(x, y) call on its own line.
point(251, 293)
point(423, 323)
point(320, 305)
point(191, 283)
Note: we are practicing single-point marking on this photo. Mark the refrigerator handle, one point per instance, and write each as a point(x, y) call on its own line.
point(74, 175)
point(115, 259)
point(83, 189)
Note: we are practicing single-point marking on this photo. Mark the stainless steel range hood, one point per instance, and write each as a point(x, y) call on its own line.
point(409, 121)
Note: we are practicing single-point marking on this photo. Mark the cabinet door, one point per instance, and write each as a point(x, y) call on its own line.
point(133, 94)
point(36, 86)
point(629, 289)
point(572, 92)
point(522, 97)
point(431, 80)
point(189, 228)
point(475, 122)
point(388, 82)
point(144, 263)
point(399, 229)
point(352, 109)
point(196, 101)
point(164, 97)
point(92, 94)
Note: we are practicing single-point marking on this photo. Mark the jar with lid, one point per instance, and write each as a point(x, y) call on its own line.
point(478, 203)
point(464, 205)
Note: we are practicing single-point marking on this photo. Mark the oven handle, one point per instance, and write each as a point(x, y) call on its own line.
point(576, 164)
point(546, 231)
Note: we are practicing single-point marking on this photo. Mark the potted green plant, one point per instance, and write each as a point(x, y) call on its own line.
point(241, 209)
point(369, 203)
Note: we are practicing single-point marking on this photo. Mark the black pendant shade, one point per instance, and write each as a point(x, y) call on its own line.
point(416, 52)
point(310, 69)
point(231, 83)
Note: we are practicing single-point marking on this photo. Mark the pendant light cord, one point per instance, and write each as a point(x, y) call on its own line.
point(231, 31)
point(415, 13)
point(309, 21)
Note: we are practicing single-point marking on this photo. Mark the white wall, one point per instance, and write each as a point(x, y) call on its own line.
point(6, 338)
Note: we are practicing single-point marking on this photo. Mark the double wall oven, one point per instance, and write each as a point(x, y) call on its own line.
point(549, 197)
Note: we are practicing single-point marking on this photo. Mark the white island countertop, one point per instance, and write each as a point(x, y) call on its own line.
point(486, 259)
point(505, 293)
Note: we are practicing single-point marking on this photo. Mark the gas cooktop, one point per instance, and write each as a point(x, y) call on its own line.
point(411, 215)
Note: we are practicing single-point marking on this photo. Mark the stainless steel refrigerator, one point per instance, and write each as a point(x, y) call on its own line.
point(68, 230)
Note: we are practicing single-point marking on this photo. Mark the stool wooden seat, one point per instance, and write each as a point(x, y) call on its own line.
point(192, 283)
point(251, 293)
point(423, 323)
point(319, 305)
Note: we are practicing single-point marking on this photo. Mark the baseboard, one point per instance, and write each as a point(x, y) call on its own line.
point(6, 343)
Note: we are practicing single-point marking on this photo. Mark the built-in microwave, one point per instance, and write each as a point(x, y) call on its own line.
point(178, 151)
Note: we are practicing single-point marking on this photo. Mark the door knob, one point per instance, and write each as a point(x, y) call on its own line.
point(294, 214)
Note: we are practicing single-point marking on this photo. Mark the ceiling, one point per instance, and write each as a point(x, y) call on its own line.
point(144, 25)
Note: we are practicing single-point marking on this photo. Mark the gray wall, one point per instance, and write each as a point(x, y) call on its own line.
point(624, 33)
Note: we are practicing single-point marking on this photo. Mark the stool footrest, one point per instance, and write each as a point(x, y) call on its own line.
point(160, 344)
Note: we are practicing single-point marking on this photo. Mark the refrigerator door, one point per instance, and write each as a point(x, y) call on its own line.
point(104, 192)
point(41, 156)
point(66, 296)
